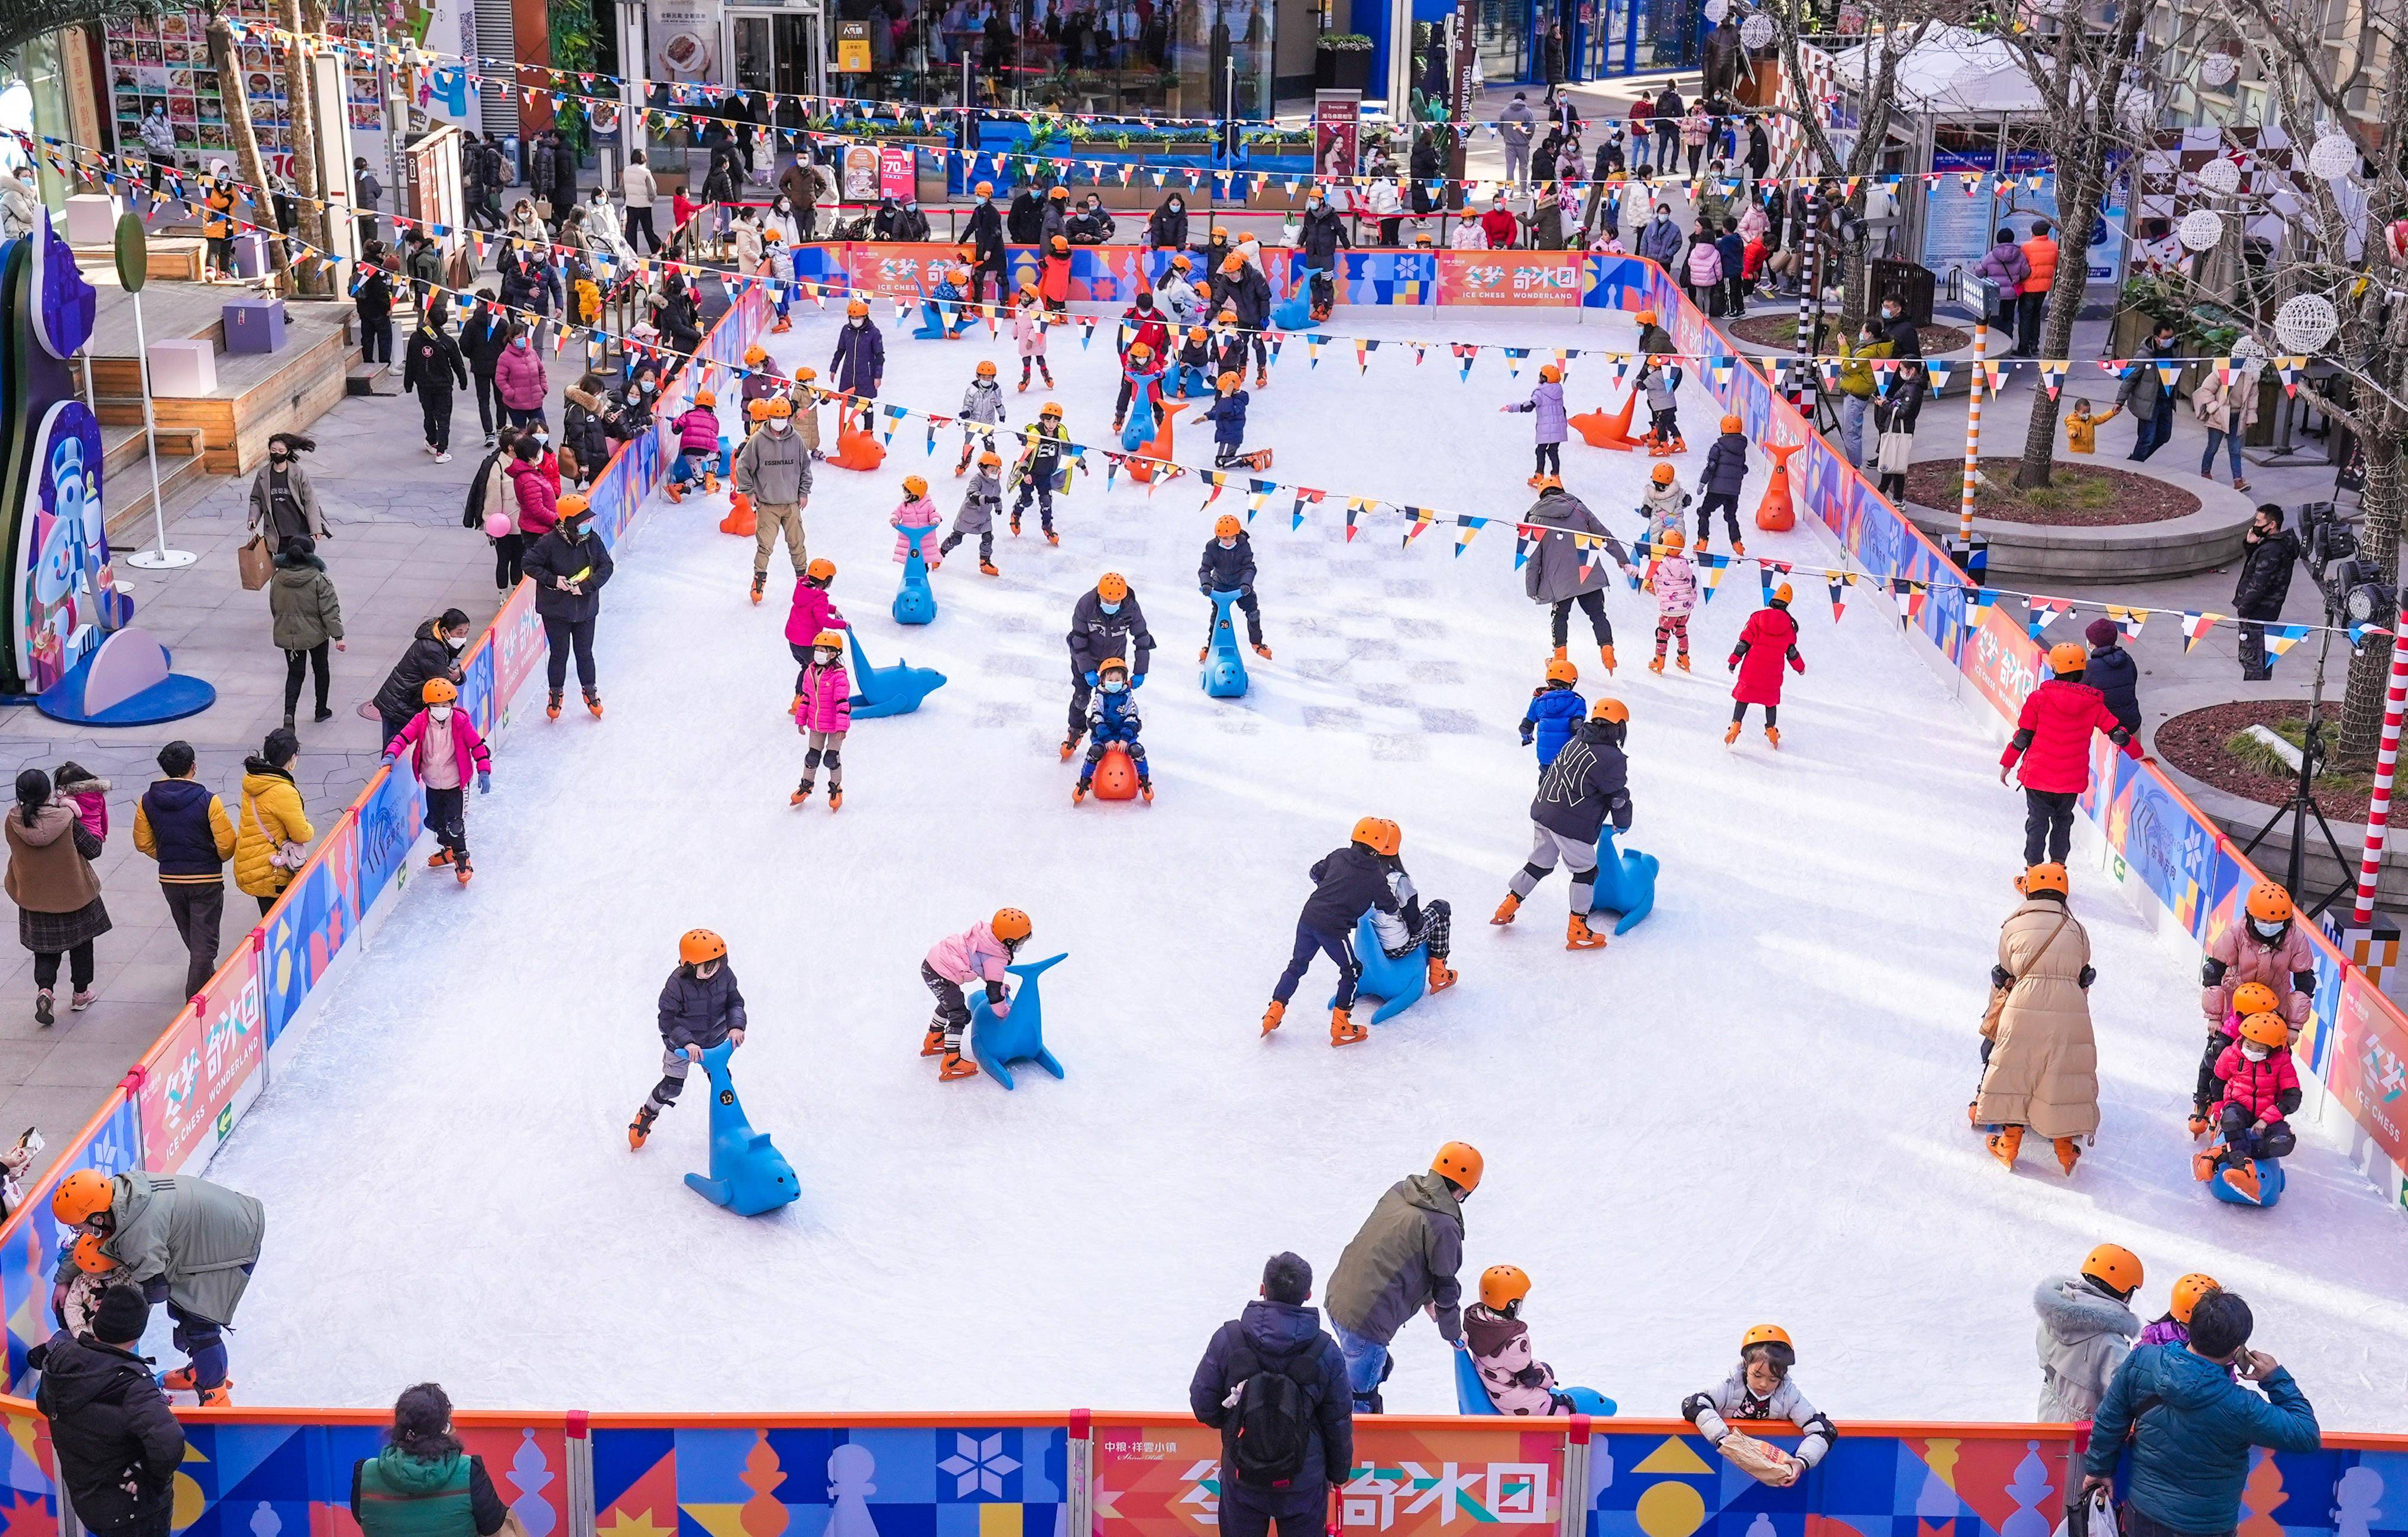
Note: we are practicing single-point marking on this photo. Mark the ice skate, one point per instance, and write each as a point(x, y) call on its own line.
point(641, 1128)
point(593, 703)
point(1070, 744)
point(1563, 653)
point(220, 1396)
point(835, 798)
point(2197, 1124)
point(802, 794)
point(1579, 936)
point(676, 492)
point(760, 584)
point(2242, 1177)
point(986, 567)
point(440, 859)
point(964, 467)
point(2069, 1153)
point(1533, 481)
point(1606, 653)
point(1263, 377)
point(1739, 546)
point(710, 481)
point(463, 870)
point(1685, 661)
point(1261, 651)
point(954, 1066)
point(1272, 1015)
point(1656, 665)
point(1053, 538)
point(1015, 526)
point(1079, 791)
point(784, 324)
point(1441, 976)
point(2004, 1145)
point(177, 1381)
point(1730, 734)
point(1145, 789)
point(934, 1045)
point(1506, 908)
point(552, 706)
point(1772, 738)
point(1343, 1031)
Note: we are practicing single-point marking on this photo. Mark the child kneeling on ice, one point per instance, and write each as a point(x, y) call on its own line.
point(1517, 1382)
point(1555, 711)
point(913, 513)
point(1113, 722)
point(1760, 1389)
point(697, 447)
point(979, 505)
point(700, 1008)
point(822, 713)
point(443, 748)
point(978, 953)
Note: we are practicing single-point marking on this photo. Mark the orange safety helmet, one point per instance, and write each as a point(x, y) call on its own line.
point(1502, 1285)
point(697, 945)
point(828, 641)
point(1730, 422)
point(2188, 1291)
point(780, 408)
point(1226, 526)
point(1663, 475)
point(1673, 539)
point(2269, 903)
point(1220, 232)
point(986, 370)
point(1139, 350)
point(1551, 374)
point(1062, 193)
point(1611, 710)
point(1233, 263)
point(856, 308)
point(2114, 1267)
point(1646, 317)
point(1011, 925)
point(2267, 1031)
point(1180, 264)
point(2068, 656)
point(89, 1259)
point(759, 410)
point(1767, 1334)
point(1783, 594)
point(1112, 587)
point(756, 354)
point(990, 458)
point(1563, 669)
point(806, 372)
point(985, 189)
point(1379, 834)
point(1461, 1163)
point(574, 505)
point(1228, 381)
point(914, 486)
point(705, 399)
point(822, 571)
point(2040, 878)
point(1196, 333)
point(82, 1196)
point(1061, 244)
point(2255, 997)
point(438, 691)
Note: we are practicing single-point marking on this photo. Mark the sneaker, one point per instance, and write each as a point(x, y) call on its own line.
point(42, 1015)
point(490, 439)
point(83, 1000)
point(321, 715)
point(444, 457)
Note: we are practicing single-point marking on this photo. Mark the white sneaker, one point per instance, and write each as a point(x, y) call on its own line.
point(443, 458)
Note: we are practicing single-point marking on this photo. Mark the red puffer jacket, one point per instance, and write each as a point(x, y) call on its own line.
point(1769, 638)
point(2052, 736)
point(2259, 1087)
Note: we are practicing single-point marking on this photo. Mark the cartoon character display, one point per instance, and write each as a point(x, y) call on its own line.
point(68, 601)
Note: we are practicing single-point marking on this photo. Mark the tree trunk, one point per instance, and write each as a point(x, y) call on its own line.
point(2370, 670)
point(2058, 312)
point(238, 115)
point(309, 212)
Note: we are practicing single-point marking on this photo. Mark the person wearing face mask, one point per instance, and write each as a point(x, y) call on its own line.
point(520, 379)
point(307, 617)
point(1228, 567)
point(1320, 237)
point(823, 714)
point(701, 1009)
point(1165, 229)
point(2039, 1057)
point(444, 749)
point(858, 364)
point(2052, 742)
point(630, 413)
point(1106, 624)
point(1112, 721)
point(1587, 783)
point(434, 653)
point(976, 955)
point(2258, 1087)
point(569, 566)
point(484, 337)
point(773, 470)
point(1758, 1389)
point(1091, 226)
point(2262, 947)
point(283, 503)
point(432, 368)
point(987, 252)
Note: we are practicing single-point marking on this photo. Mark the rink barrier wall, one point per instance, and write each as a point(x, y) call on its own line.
point(573, 1474)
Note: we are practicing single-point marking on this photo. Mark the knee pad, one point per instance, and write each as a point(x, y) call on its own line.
point(667, 1089)
point(833, 759)
point(1538, 872)
point(810, 757)
point(1438, 909)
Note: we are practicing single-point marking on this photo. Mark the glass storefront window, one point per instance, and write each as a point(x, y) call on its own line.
point(35, 101)
point(1174, 57)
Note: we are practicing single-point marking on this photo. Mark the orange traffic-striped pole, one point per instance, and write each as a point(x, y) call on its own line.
point(1972, 438)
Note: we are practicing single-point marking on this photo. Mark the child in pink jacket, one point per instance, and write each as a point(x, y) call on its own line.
point(89, 794)
point(444, 750)
point(822, 713)
point(697, 457)
point(915, 511)
point(979, 954)
point(1029, 329)
point(1676, 595)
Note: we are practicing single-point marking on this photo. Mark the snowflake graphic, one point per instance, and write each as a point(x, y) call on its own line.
point(979, 1466)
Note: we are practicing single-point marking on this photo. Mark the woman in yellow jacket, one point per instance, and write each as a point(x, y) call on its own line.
point(217, 223)
point(1856, 387)
point(271, 818)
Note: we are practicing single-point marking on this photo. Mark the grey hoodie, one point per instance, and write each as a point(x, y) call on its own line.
point(1516, 124)
point(2085, 1334)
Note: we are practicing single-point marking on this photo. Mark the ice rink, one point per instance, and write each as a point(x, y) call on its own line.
point(1751, 1108)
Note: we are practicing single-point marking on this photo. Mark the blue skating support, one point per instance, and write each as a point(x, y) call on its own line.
point(933, 314)
point(2270, 1185)
point(1294, 312)
point(915, 602)
point(888, 690)
point(1140, 429)
point(1195, 384)
point(1397, 983)
point(1019, 1036)
point(1472, 1395)
point(1224, 665)
point(1625, 882)
point(726, 456)
point(748, 1175)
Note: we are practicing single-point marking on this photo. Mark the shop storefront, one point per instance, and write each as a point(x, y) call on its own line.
point(1597, 39)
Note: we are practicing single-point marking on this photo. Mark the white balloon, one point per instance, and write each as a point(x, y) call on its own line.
point(2200, 229)
point(2333, 156)
point(2221, 177)
point(2218, 70)
point(1757, 32)
point(2305, 323)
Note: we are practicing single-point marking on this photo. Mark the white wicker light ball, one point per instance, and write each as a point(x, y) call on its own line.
point(2247, 349)
point(2200, 229)
point(2305, 323)
point(2218, 70)
point(2221, 176)
point(1757, 32)
point(2333, 156)
point(1716, 10)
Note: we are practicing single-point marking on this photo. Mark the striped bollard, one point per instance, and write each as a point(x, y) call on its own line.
point(2378, 810)
point(1972, 440)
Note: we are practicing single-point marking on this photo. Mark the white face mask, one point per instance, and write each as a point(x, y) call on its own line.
point(2269, 932)
point(780, 424)
point(824, 658)
point(440, 712)
point(2254, 1052)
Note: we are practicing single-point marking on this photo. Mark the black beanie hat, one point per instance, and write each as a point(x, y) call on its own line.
point(121, 1316)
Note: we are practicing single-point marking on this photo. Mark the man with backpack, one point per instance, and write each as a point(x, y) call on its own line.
point(1402, 1262)
point(1274, 1385)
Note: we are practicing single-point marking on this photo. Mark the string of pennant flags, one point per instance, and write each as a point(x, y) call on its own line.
point(130, 175)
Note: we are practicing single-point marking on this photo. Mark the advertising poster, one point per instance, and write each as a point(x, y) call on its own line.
point(310, 925)
point(2367, 1067)
point(67, 600)
point(1337, 127)
point(684, 37)
point(857, 173)
point(898, 171)
point(205, 1069)
point(1532, 279)
point(2002, 662)
point(853, 48)
point(390, 814)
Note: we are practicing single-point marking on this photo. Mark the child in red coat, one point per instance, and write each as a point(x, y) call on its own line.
point(822, 713)
point(2053, 741)
point(2261, 1088)
point(1769, 638)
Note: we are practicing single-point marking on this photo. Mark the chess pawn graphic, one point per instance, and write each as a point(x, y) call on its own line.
point(265, 1522)
point(762, 1516)
point(2028, 1490)
point(849, 1469)
point(531, 1476)
point(2354, 1501)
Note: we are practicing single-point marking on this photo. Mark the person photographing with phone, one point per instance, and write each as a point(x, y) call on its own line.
point(2190, 1425)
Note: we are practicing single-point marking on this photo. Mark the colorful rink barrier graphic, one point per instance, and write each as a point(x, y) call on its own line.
point(286, 1473)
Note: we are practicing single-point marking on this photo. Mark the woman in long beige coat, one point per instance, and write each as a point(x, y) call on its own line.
point(2226, 411)
point(2041, 1065)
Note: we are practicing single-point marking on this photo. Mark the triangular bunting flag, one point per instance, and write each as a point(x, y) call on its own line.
point(2195, 627)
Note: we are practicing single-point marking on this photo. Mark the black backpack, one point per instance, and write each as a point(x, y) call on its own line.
point(1268, 1434)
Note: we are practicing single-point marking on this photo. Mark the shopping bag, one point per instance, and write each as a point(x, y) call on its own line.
point(256, 564)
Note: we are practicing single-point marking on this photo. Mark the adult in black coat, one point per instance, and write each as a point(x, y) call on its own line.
point(2268, 553)
point(569, 566)
point(118, 1446)
point(1026, 220)
point(1346, 884)
point(1166, 228)
point(2113, 672)
point(1899, 332)
point(1105, 623)
point(1228, 567)
point(1427, 168)
point(1588, 783)
point(988, 258)
point(1281, 1336)
point(430, 365)
point(1248, 292)
point(1319, 238)
point(434, 653)
point(482, 336)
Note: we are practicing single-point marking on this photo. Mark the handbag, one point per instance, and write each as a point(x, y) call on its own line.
point(284, 853)
point(255, 563)
point(1895, 453)
point(2094, 1517)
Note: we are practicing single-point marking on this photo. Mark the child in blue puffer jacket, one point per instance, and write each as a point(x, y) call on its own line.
point(1228, 418)
point(1113, 722)
point(1556, 712)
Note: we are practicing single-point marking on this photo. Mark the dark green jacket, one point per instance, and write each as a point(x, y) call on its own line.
point(1407, 1254)
point(395, 1495)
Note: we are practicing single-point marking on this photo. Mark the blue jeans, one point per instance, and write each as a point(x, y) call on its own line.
point(2231, 441)
point(1367, 1362)
point(1853, 409)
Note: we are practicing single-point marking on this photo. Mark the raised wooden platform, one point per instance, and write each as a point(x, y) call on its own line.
point(170, 257)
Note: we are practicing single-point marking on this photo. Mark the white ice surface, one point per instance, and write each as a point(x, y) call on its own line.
point(1750, 1107)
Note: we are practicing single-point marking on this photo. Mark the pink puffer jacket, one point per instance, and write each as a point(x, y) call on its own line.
point(975, 955)
point(698, 431)
point(519, 378)
point(1027, 332)
point(2247, 958)
point(812, 613)
point(1676, 585)
point(827, 699)
point(2255, 1087)
point(919, 512)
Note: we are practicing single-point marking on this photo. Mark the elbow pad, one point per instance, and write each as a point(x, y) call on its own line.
point(1820, 1424)
point(2304, 981)
point(2210, 972)
point(1695, 1405)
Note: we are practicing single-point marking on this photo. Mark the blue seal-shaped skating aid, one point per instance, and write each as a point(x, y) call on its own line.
point(888, 690)
point(915, 602)
point(1224, 665)
point(1018, 1036)
point(1294, 312)
point(748, 1175)
point(1625, 882)
point(2270, 1185)
point(1397, 983)
point(1472, 1395)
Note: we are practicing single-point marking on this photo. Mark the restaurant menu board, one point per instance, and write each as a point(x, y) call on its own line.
point(166, 93)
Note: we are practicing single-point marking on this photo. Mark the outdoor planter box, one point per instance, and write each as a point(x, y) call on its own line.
point(1341, 68)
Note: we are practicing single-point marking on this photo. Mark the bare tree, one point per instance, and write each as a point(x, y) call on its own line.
point(2087, 77)
point(235, 91)
point(310, 215)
